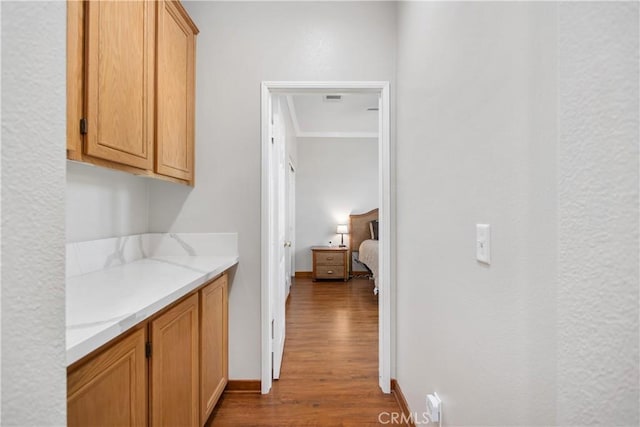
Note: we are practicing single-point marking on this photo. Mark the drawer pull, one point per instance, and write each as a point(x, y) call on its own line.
point(329, 271)
point(329, 257)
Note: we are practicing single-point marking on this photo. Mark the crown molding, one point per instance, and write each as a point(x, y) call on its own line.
point(337, 135)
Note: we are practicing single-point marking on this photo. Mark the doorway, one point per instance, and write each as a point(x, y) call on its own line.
point(273, 210)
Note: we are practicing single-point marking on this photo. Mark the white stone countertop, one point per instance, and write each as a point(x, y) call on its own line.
point(103, 304)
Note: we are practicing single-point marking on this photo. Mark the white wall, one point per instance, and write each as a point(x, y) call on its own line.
point(537, 338)
point(524, 116)
point(335, 177)
point(476, 144)
point(33, 169)
point(105, 203)
point(240, 45)
point(598, 134)
point(0, 241)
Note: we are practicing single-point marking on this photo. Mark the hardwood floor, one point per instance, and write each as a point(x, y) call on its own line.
point(329, 372)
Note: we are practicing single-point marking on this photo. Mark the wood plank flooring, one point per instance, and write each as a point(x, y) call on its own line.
point(329, 372)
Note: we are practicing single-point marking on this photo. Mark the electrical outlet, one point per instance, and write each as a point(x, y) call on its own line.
point(434, 407)
point(483, 243)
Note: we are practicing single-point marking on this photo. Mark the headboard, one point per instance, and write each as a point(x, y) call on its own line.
point(359, 228)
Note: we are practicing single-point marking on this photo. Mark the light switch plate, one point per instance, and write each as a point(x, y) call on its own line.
point(483, 243)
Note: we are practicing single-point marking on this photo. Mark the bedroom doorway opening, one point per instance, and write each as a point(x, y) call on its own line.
point(277, 243)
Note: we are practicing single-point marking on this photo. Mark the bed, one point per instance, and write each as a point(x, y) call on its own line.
point(361, 243)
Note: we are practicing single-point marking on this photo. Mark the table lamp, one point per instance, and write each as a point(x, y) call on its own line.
point(342, 229)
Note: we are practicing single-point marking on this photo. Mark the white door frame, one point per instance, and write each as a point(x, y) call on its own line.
point(384, 215)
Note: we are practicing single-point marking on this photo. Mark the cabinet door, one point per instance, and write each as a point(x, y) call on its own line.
point(120, 71)
point(214, 345)
point(111, 388)
point(174, 366)
point(175, 131)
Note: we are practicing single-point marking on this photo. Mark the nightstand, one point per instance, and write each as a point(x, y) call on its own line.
point(330, 263)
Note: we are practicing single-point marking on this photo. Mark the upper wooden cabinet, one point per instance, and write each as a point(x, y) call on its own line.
point(176, 61)
point(130, 87)
point(119, 81)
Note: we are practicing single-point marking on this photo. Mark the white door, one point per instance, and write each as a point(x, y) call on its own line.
point(291, 226)
point(279, 242)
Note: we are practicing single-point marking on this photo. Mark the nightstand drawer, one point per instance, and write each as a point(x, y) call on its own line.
point(329, 258)
point(329, 272)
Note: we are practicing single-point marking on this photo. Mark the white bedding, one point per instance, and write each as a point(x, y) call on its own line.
point(368, 254)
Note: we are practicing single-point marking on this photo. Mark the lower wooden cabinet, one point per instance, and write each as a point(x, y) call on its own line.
point(214, 344)
point(111, 388)
point(169, 371)
point(174, 366)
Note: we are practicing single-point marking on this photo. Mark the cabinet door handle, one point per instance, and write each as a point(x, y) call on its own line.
point(330, 272)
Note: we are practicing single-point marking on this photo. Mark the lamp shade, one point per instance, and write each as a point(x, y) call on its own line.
point(342, 229)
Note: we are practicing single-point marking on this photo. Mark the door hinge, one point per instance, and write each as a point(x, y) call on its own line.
point(147, 349)
point(83, 126)
point(272, 132)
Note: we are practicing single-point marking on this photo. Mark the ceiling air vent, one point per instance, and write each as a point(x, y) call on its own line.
point(333, 98)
